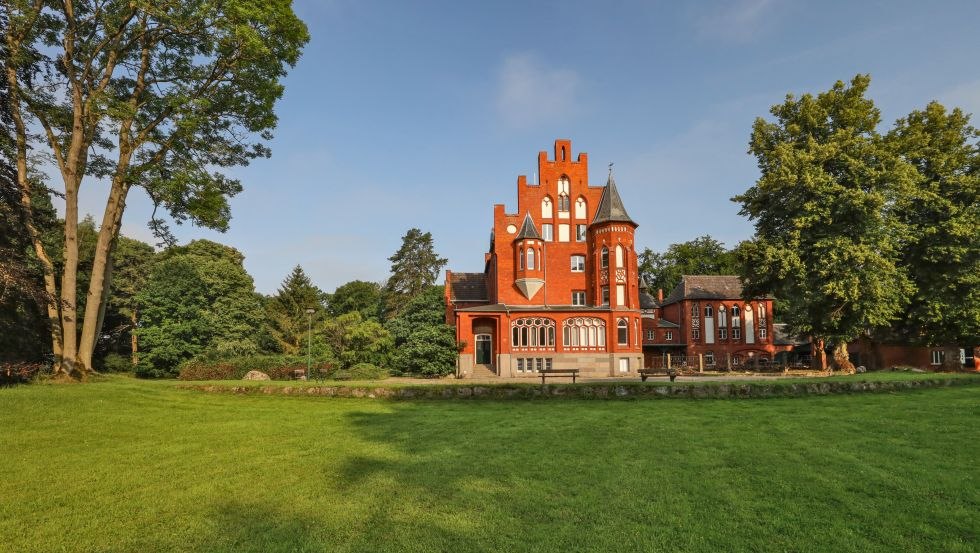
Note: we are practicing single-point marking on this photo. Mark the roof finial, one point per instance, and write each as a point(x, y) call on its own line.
point(610, 169)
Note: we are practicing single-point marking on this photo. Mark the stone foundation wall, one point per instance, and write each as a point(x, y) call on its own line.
point(592, 365)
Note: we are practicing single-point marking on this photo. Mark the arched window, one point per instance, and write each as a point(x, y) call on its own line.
point(735, 312)
point(546, 208)
point(722, 323)
point(623, 332)
point(530, 259)
point(619, 256)
point(695, 310)
point(584, 333)
point(521, 259)
point(533, 332)
point(604, 258)
point(707, 311)
point(581, 211)
point(563, 202)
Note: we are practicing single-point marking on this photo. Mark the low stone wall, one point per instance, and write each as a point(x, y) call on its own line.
point(606, 390)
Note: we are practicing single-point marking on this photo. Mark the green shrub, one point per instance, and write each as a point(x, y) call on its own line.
point(429, 351)
point(278, 367)
point(116, 363)
point(361, 371)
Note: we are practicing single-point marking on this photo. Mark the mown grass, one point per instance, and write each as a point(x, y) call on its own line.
point(128, 465)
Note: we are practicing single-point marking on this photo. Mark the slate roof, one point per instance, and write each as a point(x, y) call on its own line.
point(698, 287)
point(469, 287)
point(611, 205)
point(647, 301)
point(664, 323)
point(527, 229)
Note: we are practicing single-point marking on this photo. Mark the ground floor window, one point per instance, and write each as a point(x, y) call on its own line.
point(584, 332)
point(533, 364)
point(736, 333)
point(709, 358)
point(938, 357)
point(533, 333)
point(668, 336)
point(736, 360)
point(624, 365)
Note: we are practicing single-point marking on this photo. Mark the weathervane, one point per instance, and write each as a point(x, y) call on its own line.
point(610, 169)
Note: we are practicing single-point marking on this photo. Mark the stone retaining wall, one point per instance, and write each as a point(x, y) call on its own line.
point(628, 390)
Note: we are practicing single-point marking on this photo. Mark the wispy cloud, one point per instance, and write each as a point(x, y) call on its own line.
point(736, 20)
point(530, 93)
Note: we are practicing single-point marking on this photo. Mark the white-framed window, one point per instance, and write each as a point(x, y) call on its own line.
point(736, 360)
point(709, 358)
point(584, 332)
point(578, 263)
point(668, 336)
point(530, 259)
point(580, 232)
point(623, 332)
point(546, 208)
point(533, 332)
point(578, 297)
point(695, 333)
point(722, 333)
point(605, 295)
point(548, 232)
point(695, 311)
point(619, 256)
point(520, 364)
point(722, 316)
point(762, 333)
point(580, 208)
point(650, 335)
point(736, 333)
point(937, 357)
point(604, 258)
point(547, 363)
point(707, 311)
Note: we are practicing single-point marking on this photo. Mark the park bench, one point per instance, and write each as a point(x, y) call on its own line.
point(558, 372)
point(647, 373)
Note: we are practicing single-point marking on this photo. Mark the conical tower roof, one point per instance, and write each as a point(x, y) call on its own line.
point(611, 205)
point(528, 230)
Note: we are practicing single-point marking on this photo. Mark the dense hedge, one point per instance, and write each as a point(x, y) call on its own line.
point(278, 367)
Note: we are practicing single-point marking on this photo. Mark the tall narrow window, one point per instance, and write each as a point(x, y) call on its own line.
point(521, 262)
point(604, 258)
point(548, 232)
point(580, 231)
point(622, 332)
point(605, 295)
point(530, 259)
point(619, 256)
point(564, 204)
point(581, 210)
point(546, 208)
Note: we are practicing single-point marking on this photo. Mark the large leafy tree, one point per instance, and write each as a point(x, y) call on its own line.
point(702, 256)
point(425, 344)
point(198, 299)
point(356, 295)
point(942, 213)
point(826, 238)
point(354, 340)
point(414, 267)
point(286, 319)
point(163, 95)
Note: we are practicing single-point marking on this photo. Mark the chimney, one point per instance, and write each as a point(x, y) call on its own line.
point(660, 295)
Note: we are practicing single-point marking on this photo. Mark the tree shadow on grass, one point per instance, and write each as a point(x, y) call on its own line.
point(254, 527)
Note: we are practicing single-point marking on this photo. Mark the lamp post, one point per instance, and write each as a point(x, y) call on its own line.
point(309, 340)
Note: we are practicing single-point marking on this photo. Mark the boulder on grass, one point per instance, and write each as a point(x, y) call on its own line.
point(256, 375)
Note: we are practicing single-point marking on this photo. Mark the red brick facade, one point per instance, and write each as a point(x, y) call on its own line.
point(705, 323)
point(559, 287)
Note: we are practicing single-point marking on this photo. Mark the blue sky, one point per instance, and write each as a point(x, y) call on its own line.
point(422, 114)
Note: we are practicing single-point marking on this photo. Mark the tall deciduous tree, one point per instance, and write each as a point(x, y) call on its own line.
point(826, 238)
point(162, 95)
point(702, 256)
point(198, 299)
point(414, 267)
point(942, 212)
point(286, 319)
point(356, 295)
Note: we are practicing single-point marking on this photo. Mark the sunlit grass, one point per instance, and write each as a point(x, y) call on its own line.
point(128, 465)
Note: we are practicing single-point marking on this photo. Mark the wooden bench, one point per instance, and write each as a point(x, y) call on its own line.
point(647, 373)
point(558, 372)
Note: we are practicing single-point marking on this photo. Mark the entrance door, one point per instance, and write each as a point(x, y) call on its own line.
point(484, 349)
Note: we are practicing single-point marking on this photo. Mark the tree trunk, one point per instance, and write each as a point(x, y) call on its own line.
point(134, 340)
point(98, 290)
point(69, 275)
point(842, 361)
point(27, 209)
point(818, 357)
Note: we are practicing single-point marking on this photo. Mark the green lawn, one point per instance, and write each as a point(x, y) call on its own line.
point(127, 465)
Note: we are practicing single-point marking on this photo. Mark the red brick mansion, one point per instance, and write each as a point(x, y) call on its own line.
point(559, 287)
